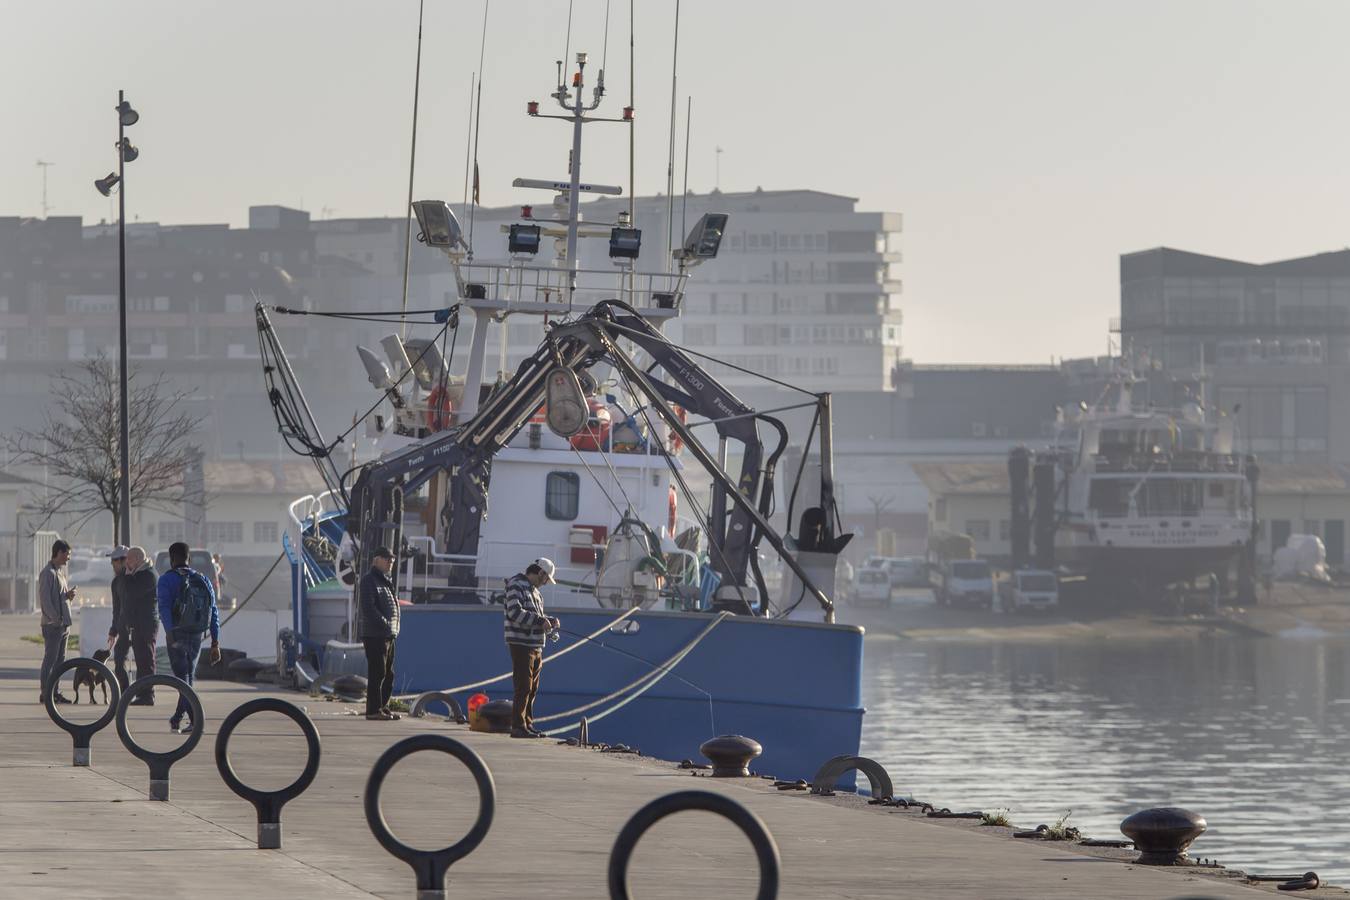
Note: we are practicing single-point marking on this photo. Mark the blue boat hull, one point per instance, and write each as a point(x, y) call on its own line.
point(793, 686)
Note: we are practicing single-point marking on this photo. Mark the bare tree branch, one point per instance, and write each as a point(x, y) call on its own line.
point(79, 439)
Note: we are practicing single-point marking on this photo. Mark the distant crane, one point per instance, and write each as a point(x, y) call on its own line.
point(44, 166)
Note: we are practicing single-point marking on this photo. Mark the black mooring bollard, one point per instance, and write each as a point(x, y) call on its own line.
point(766, 851)
point(1163, 834)
point(268, 803)
point(430, 866)
point(81, 735)
point(730, 755)
point(160, 763)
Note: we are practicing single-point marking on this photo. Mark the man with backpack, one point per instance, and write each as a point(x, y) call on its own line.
point(187, 607)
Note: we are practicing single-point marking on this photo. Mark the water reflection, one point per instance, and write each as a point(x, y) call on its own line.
point(1252, 734)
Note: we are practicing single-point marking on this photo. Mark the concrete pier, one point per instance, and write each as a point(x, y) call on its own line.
point(84, 832)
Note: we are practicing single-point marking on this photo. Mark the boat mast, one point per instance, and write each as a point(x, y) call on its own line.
point(574, 193)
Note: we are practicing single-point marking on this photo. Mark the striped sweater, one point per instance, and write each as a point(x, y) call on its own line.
point(525, 621)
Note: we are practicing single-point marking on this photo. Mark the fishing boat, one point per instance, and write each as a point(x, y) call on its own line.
point(671, 631)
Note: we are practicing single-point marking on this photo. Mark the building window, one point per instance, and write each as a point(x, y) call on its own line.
point(940, 509)
point(978, 529)
point(224, 533)
point(264, 532)
point(171, 532)
point(562, 495)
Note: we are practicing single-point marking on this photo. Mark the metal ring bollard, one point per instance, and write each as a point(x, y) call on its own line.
point(836, 767)
point(268, 803)
point(430, 865)
point(82, 734)
point(766, 851)
point(452, 707)
point(160, 763)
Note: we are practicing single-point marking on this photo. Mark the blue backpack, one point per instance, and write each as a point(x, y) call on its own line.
point(192, 609)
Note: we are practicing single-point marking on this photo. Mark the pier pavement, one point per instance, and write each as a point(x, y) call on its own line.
point(91, 832)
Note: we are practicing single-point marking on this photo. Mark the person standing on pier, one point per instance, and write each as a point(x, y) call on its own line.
point(379, 629)
point(54, 597)
point(187, 605)
point(140, 617)
point(526, 629)
point(119, 642)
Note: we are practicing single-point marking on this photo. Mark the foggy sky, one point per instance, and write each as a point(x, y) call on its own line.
point(1028, 144)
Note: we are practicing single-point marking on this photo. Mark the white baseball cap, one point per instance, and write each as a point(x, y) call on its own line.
point(547, 566)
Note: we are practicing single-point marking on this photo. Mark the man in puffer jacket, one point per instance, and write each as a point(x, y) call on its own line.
point(379, 628)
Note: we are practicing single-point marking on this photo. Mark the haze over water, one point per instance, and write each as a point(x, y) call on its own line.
point(1250, 733)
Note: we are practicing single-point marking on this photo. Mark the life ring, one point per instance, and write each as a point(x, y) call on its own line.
point(674, 505)
point(439, 408)
point(676, 444)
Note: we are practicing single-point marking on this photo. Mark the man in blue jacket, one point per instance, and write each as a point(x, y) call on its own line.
point(187, 607)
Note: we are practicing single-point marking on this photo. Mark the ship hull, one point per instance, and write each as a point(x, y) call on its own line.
point(794, 687)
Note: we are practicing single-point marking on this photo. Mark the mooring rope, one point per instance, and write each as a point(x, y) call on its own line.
point(651, 679)
point(548, 659)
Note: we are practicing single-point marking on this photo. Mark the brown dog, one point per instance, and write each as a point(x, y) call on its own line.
point(86, 677)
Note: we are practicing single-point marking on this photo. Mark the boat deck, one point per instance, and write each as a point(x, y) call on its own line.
point(68, 831)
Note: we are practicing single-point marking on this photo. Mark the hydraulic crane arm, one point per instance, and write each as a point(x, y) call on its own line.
point(466, 451)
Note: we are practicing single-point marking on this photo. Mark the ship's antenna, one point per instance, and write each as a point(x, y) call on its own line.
point(468, 143)
point(44, 165)
point(688, 127)
point(477, 119)
point(567, 45)
point(632, 120)
point(412, 165)
point(670, 159)
point(604, 54)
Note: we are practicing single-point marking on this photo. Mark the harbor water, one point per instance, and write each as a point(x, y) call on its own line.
point(1252, 733)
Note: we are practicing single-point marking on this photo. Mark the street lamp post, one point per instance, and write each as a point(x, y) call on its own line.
point(126, 153)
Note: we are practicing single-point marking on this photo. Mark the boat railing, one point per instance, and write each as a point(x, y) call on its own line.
point(1198, 462)
point(306, 512)
point(436, 568)
point(513, 282)
point(1174, 511)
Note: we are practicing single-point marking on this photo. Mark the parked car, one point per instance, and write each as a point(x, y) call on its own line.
point(872, 586)
point(904, 571)
point(964, 582)
point(198, 559)
point(1035, 589)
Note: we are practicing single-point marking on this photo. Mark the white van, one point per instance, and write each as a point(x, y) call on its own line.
point(872, 586)
point(965, 582)
point(1034, 589)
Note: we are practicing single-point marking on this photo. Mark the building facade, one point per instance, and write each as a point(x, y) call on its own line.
point(1272, 342)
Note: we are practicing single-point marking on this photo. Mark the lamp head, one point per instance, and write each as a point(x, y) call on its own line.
point(439, 227)
point(126, 114)
point(129, 153)
point(705, 238)
point(523, 239)
point(625, 243)
point(107, 183)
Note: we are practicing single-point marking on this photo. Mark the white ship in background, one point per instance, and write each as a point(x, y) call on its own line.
point(1137, 498)
point(1148, 497)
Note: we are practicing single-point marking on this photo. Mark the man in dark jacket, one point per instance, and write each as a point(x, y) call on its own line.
point(140, 617)
point(119, 640)
point(379, 628)
point(526, 629)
